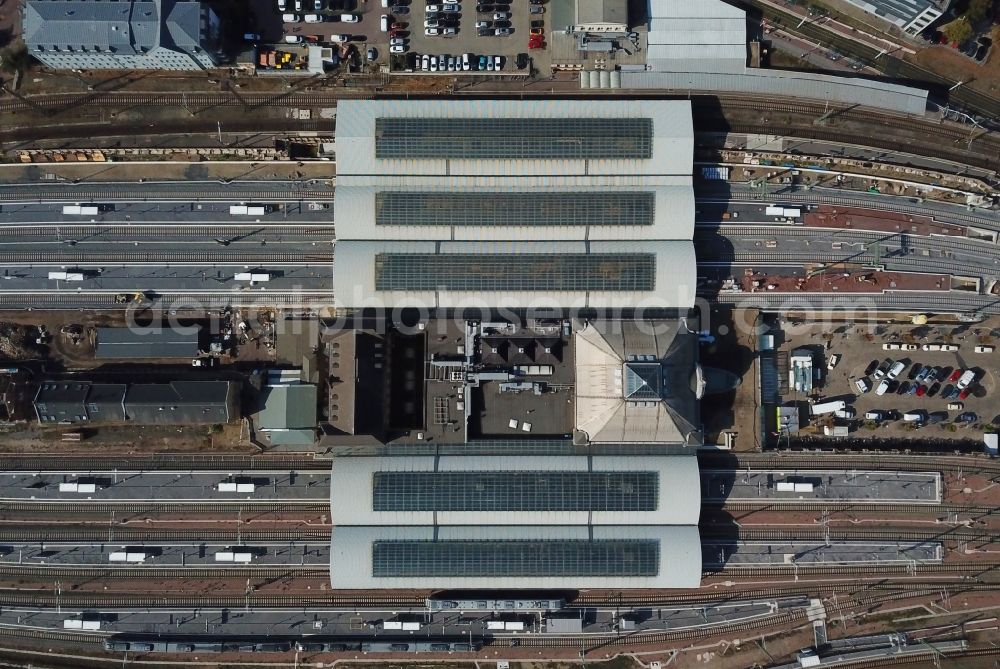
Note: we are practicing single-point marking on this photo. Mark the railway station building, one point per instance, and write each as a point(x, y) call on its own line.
point(538, 427)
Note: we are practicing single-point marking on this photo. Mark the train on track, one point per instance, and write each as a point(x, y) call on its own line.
point(441, 604)
point(124, 643)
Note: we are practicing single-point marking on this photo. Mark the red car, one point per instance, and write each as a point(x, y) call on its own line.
point(921, 390)
point(399, 25)
point(955, 376)
point(965, 393)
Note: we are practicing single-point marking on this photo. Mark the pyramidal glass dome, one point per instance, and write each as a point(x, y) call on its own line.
point(643, 381)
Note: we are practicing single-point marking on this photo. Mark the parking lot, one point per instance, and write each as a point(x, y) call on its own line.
point(927, 384)
point(445, 31)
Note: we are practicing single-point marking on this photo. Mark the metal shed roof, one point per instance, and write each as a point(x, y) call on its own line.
point(666, 280)
point(287, 407)
point(129, 343)
point(356, 488)
point(515, 557)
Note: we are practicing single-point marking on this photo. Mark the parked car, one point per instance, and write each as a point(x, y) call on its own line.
point(349, 18)
point(466, 62)
point(433, 8)
point(501, 16)
point(536, 10)
point(398, 48)
point(883, 368)
point(282, 5)
point(371, 54)
point(315, 18)
point(875, 414)
point(503, 32)
point(903, 388)
point(451, 9)
point(917, 416)
point(896, 369)
point(891, 346)
point(933, 390)
point(483, 62)
point(847, 413)
point(293, 39)
point(290, 18)
point(984, 349)
point(955, 406)
point(967, 417)
point(882, 388)
point(400, 10)
point(319, 5)
point(485, 9)
point(921, 390)
point(914, 370)
point(432, 23)
point(923, 374)
point(863, 385)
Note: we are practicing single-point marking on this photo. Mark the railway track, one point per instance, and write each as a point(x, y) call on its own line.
point(36, 510)
point(829, 196)
point(155, 193)
point(786, 460)
point(891, 535)
point(837, 506)
point(22, 572)
point(303, 462)
point(79, 256)
point(288, 233)
point(150, 536)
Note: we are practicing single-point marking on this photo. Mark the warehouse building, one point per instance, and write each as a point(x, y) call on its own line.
point(167, 403)
point(141, 343)
point(515, 522)
point(122, 34)
point(497, 204)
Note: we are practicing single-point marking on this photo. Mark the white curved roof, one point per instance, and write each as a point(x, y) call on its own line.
point(352, 551)
point(355, 212)
point(673, 275)
point(677, 490)
point(672, 138)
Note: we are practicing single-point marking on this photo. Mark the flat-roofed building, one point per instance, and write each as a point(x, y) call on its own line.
point(515, 521)
point(146, 343)
point(183, 403)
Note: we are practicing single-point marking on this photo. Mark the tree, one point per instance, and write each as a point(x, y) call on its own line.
point(14, 59)
point(958, 31)
point(979, 10)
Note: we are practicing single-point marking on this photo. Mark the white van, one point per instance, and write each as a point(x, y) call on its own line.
point(915, 416)
point(384, 21)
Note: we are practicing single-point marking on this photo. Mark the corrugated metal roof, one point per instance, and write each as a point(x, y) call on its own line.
point(355, 276)
point(677, 549)
point(678, 502)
